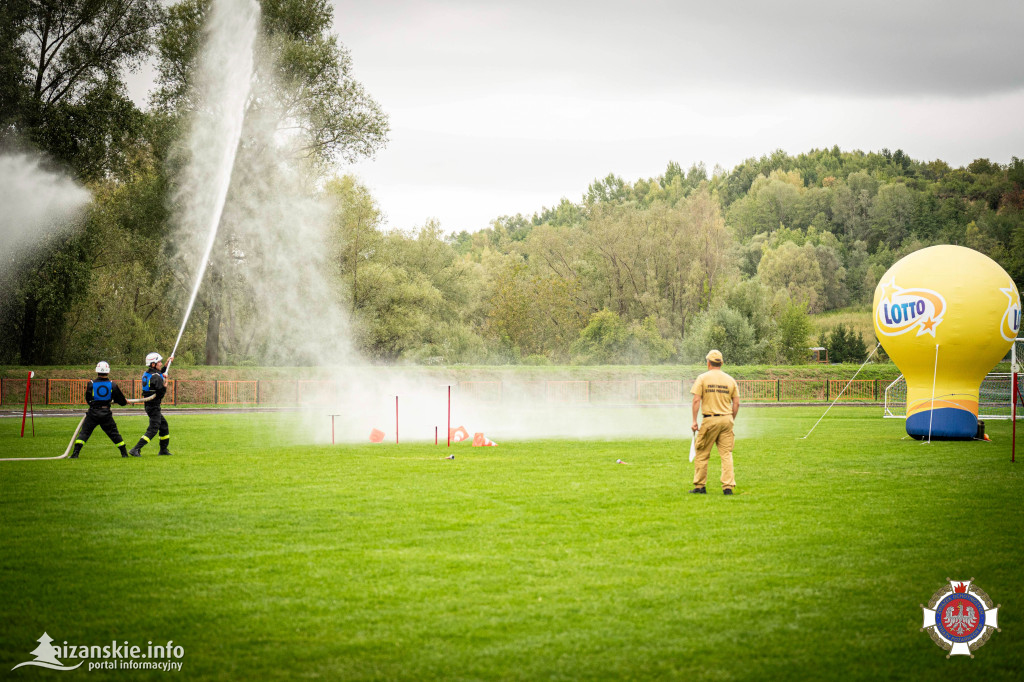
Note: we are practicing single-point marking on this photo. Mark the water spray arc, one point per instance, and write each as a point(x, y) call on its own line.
point(225, 82)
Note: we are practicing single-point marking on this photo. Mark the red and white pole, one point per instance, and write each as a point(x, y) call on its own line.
point(332, 427)
point(24, 410)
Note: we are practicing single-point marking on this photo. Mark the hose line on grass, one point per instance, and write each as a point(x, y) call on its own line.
point(66, 452)
point(73, 437)
point(877, 346)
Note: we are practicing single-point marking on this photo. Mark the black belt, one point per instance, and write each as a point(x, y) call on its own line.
point(714, 415)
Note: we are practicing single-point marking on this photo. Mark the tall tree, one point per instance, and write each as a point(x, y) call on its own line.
point(70, 93)
point(356, 235)
point(13, 61)
point(307, 74)
point(304, 93)
point(796, 269)
point(62, 64)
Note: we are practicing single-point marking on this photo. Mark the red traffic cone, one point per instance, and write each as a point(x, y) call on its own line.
point(458, 434)
point(482, 441)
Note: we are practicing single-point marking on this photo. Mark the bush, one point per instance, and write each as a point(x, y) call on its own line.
point(608, 340)
point(727, 330)
point(794, 330)
point(452, 343)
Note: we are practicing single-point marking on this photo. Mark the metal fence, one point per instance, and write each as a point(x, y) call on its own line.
point(293, 393)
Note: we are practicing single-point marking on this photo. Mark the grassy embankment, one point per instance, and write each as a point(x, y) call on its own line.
point(859, 320)
point(481, 372)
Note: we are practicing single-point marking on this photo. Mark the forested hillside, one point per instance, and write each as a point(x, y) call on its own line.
point(649, 270)
point(660, 269)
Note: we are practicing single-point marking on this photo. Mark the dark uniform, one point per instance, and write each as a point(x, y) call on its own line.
point(99, 394)
point(153, 384)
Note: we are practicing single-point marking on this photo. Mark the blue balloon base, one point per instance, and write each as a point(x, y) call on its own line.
point(947, 423)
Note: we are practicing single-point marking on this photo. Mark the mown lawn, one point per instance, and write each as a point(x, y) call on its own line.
point(266, 558)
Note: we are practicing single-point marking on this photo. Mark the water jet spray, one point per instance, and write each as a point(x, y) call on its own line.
point(225, 78)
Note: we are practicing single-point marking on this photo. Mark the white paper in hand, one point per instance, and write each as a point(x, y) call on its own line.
point(693, 447)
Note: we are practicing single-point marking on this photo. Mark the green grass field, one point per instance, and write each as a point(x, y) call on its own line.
point(534, 560)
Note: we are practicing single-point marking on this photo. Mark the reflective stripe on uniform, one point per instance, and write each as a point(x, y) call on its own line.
point(117, 445)
point(145, 439)
point(79, 442)
point(165, 437)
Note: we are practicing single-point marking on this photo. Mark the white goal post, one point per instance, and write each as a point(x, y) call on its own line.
point(1016, 360)
point(995, 397)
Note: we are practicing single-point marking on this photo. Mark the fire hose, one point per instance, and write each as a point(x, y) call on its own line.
point(71, 444)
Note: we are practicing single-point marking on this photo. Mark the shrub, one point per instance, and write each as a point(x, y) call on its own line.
point(843, 345)
point(608, 340)
point(727, 330)
point(794, 330)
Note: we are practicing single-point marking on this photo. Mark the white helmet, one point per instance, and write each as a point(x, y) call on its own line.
point(153, 357)
point(102, 368)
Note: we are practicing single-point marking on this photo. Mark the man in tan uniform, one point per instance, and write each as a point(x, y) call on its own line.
point(716, 397)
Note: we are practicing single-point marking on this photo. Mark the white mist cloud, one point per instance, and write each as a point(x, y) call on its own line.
point(37, 204)
point(364, 399)
point(269, 276)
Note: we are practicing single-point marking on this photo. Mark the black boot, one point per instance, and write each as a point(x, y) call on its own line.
point(137, 450)
point(124, 453)
point(163, 447)
point(78, 448)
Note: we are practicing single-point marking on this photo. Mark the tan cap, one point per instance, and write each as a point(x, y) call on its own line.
point(715, 356)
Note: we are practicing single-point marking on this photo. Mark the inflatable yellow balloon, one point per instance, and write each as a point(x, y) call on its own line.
point(945, 314)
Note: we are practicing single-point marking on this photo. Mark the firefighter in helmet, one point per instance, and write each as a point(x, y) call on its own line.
point(154, 383)
point(99, 393)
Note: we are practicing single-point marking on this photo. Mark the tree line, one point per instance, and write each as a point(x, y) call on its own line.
point(652, 270)
point(661, 269)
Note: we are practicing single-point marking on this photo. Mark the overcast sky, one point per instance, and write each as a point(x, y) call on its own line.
point(504, 108)
point(499, 109)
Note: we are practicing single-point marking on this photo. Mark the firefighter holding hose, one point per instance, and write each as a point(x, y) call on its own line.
point(99, 393)
point(154, 386)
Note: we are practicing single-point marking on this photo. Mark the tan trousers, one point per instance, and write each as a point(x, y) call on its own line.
point(714, 430)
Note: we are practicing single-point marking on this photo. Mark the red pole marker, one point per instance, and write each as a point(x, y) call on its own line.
point(435, 435)
point(24, 410)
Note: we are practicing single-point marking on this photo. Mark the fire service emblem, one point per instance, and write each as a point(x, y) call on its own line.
point(960, 617)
